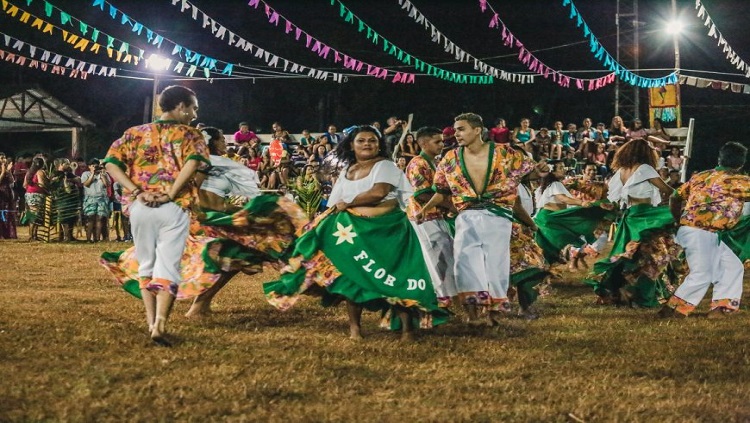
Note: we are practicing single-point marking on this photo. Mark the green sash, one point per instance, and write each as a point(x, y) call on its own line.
point(379, 258)
point(738, 238)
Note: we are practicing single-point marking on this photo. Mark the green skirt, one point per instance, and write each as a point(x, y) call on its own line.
point(258, 234)
point(645, 259)
point(573, 226)
point(376, 262)
point(528, 268)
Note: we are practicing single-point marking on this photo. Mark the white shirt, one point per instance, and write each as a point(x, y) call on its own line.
point(526, 201)
point(548, 196)
point(384, 171)
point(637, 186)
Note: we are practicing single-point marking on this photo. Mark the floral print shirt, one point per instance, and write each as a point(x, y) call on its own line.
point(420, 172)
point(714, 199)
point(505, 168)
point(153, 154)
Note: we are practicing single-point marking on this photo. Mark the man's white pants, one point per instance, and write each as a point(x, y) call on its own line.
point(437, 249)
point(710, 262)
point(482, 253)
point(159, 235)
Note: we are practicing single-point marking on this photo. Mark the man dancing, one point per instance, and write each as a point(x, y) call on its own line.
point(156, 163)
point(481, 179)
point(713, 202)
point(433, 231)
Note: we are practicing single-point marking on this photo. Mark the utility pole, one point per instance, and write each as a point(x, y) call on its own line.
point(627, 97)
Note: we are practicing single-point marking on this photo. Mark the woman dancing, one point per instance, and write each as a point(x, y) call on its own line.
point(347, 252)
point(561, 225)
point(640, 268)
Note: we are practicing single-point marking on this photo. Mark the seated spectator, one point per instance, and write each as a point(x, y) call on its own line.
point(392, 132)
point(542, 142)
point(675, 159)
point(636, 131)
point(674, 179)
point(318, 155)
point(253, 159)
point(401, 163)
point(332, 136)
point(449, 139)
point(557, 136)
point(603, 132)
point(570, 162)
point(266, 172)
point(570, 141)
point(500, 133)
point(277, 131)
point(244, 136)
point(232, 154)
point(307, 140)
point(617, 131)
point(408, 148)
point(299, 156)
point(599, 158)
point(523, 135)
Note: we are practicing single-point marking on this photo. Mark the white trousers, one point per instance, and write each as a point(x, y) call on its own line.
point(710, 262)
point(437, 249)
point(482, 253)
point(159, 235)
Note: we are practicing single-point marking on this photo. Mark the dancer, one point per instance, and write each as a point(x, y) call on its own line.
point(433, 231)
point(481, 179)
point(641, 265)
point(156, 164)
point(348, 251)
point(559, 224)
point(528, 269)
point(587, 188)
point(713, 202)
point(253, 229)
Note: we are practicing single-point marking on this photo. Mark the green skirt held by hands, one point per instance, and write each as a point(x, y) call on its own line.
point(376, 262)
point(644, 264)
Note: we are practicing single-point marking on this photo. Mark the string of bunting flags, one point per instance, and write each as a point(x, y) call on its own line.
point(601, 54)
point(459, 53)
point(20, 60)
point(537, 66)
point(698, 82)
point(714, 32)
point(41, 59)
point(431, 70)
point(193, 58)
point(86, 42)
point(272, 60)
point(325, 51)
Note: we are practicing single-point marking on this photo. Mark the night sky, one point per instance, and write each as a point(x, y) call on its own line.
point(543, 26)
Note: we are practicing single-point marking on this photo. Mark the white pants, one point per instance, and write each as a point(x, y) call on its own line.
point(159, 235)
point(482, 253)
point(437, 249)
point(710, 262)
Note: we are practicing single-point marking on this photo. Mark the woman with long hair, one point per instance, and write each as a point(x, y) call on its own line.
point(409, 148)
point(347, 252)
point(36, 191)
point(564, 220)
point(641, 266)
point(523, 135)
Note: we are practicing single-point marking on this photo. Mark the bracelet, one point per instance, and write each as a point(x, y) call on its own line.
point(135, 192)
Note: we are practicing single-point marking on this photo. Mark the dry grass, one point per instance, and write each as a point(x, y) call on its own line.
point(74, 348)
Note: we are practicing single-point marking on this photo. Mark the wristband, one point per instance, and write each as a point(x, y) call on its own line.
point(135, 192)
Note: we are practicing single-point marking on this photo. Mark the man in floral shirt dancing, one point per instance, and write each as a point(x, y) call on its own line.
point(713, 202)
point(156, 164)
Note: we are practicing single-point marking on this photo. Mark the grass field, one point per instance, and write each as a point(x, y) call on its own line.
point(74, 347)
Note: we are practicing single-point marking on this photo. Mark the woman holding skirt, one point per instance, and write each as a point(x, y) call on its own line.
point(362, 249)
point(643, 265)
point(564, 220)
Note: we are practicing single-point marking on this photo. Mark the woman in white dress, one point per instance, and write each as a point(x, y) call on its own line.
point(643, 263)
point(363, 249)
point(564, 220)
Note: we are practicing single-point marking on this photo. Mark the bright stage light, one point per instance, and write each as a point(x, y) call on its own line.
point(158, 63)
point(674, 27)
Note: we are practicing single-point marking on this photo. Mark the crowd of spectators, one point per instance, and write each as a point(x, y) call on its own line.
point(287, 159)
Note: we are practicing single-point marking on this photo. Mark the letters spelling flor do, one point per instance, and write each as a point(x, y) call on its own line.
point(380, 273)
